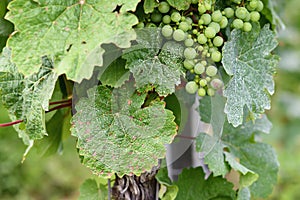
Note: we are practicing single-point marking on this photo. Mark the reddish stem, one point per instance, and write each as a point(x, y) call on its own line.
point(60, 106)
point(11, 123)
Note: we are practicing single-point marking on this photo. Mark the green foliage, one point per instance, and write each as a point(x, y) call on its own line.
point(250, 60)
point(90, 190)
point(72, 27)
point(124, 131)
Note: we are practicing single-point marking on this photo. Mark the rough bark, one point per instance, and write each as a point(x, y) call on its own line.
point(143, 187)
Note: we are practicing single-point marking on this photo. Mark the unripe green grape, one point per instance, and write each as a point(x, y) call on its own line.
point(203, 62)
point(218, 41)
point(189, 20)
point(253, 4)
point(216, 26)
point(179, 35)
point(210, 32)
point(224, 22)
point(247, 27)
point(201, 92)
point(202, 39)
point(241, 12)
point(238, 23)
point(166, 19)
point(212, 49)
point(216, 16)
point(249, 8)
point(184, 26)
point(229, 12)
point(208, 79)
point(236, 1)
point(207, 6)
point(151, 25)
point(167, 31)
point(188, 64)
point(260, 6)
point(156, 17)
point(190, 53)
point(206, 18)
point(254, 16)
point(175, 16)
point(140, 25)
point(211, 70)
point(216, 56)
point(164, 7)
point(191, 87)
point(216, 83)
point(200, 48)
point(189, 42)
point(195, 1)
point(247, 19)
point(201, 9)
point(199, 68)
point(210, 92)
point(203, 82)
point(192, 71)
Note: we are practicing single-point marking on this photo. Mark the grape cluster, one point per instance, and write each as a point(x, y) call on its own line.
point(201, 29)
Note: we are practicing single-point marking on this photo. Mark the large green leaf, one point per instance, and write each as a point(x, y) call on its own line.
point(27, 98)
point(153, 64)
point(193, 186)
point(238, 146)
point(247, 58)
point(116, 135)
point(71, 32)
point(90, 190)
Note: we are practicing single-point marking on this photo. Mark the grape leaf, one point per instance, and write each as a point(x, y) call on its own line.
point(154, 65)
point(168, 191)
point(244, 194)
point(70, 32)
point(26, 98)
point(247, 58)
point(193, 186)
point(149, 6)
point(90, 190)
point(115, 74)
point(270, 13)
point(180, 4)
point(116, 135)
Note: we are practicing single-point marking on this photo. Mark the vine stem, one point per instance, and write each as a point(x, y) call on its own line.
point(11, 123)
point(60, 102)
point(59, 107)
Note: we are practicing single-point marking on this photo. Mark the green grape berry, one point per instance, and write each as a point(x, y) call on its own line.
point(211, 70)
point(190, 53)
point(216, 16)
point(241, 12)
point(216, 56)
point(189, 20)
point(179, 35)
point(188, 64)
point(218, 41)
point(189, 42)
point(203, 82)
point(247, 27)
point(238, 23)
point(216, 83)
point(166, 19)
point(260, 6)
point(164, 7)
point(206, 18)
point(199, 68)
point(151, 25)
point(210, 32)
point(167, 31)
point(236, 1)
point(216, 26)
point(207, 6)
point(229, 12)
point(156, 17)
point(201, 9)
point(175, 16)
point(184, 26)
point(140, 25)
point(253, 4)
point(191, 87)
point(224, 22)
point(210, 92)
point(202, 39)
point(201, 92)
point(254, 16)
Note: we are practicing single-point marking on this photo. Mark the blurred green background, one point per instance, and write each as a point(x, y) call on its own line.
point(59, 176)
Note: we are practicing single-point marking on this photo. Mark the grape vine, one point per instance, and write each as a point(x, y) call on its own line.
point(130, 73)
